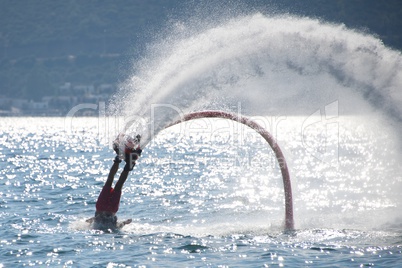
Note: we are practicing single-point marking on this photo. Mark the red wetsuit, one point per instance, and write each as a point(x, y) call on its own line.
point(108, 200)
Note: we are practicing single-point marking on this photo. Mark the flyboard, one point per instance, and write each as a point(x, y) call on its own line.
point(127, 149)
point(125, 144)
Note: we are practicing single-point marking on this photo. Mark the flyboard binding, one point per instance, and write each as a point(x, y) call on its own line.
point(125, 144)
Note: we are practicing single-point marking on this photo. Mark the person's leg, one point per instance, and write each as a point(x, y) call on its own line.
point(112, 173)
point(102, 203)
point(130, 163)
point(121, 181)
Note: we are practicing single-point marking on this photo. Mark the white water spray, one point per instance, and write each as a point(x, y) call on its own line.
point(273, 66)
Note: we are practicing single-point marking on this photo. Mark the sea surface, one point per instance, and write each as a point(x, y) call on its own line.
point(204, 194)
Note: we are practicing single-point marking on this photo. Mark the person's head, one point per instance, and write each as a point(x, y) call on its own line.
point(105, 217)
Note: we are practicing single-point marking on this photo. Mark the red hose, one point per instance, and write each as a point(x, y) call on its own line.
point(289, 221)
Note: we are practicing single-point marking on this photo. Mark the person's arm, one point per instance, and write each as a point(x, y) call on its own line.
point(90, 220)
point(121, 224)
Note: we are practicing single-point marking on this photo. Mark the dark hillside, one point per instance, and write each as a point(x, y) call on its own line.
point(45, 44)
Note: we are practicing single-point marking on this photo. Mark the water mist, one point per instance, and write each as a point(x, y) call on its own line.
point(300, 69)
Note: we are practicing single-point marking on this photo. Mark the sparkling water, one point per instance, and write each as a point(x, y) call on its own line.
point(205, 193)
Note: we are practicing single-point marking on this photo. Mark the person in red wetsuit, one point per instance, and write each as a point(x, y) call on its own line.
point(108, 201)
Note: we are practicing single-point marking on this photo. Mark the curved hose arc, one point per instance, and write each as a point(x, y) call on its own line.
point(289, 221)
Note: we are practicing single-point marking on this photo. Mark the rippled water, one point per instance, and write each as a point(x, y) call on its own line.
point(207, 194)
